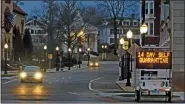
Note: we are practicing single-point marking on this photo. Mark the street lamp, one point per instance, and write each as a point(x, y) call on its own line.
point(104, 54)
point(57, 65)
point(6, 49)
point(80, 50)
point(69, 56)
point(57, 48)
point(69, 49)
point(143, 28)
point(129, 58)
point(121, 41)
point(88, 49)
point(45, 54)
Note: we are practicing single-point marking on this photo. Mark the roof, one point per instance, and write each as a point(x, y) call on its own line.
point(18, 9)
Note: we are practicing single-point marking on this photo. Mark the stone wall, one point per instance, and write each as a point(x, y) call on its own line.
point(177, 26)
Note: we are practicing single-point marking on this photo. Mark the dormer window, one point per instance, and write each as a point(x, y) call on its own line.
point(135, 24)
point(126, 23)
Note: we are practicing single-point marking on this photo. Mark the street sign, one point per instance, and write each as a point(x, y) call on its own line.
point(153, 59)
point(50, 56)
point(132, 50)
point(121, 51)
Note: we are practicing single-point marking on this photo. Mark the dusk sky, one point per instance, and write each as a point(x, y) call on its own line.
point(28, 6)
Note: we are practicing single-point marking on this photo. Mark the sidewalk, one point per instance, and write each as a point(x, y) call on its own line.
point(122, 85)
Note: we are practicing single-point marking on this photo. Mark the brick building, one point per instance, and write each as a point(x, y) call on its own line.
point(152, 20)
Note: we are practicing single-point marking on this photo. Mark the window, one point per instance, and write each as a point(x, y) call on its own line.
point(148, 29)
point(135, 24)
point(151, 29)
point(39, 31)
point(111, 40)
point(118, 31)
point(111, 31)
point(32, 31)
point(125, 31)
point(146, 8)
point(151, 8)
point(35, 23)
point(126, 23)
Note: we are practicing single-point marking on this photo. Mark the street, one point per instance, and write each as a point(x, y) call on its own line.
point(77, 86)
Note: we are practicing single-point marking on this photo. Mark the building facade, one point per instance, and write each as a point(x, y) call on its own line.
point(6, 5)
point(91, 32)
point(106, 35)
point(152, 20)
point(17, 20)
point(38, 33)
point(172, 36)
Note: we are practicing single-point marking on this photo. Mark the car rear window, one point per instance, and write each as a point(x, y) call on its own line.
point(31, 69)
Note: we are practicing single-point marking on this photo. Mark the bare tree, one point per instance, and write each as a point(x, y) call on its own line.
point(92, 15)
point(48, 13)
point(69, 23)
point(115, 9)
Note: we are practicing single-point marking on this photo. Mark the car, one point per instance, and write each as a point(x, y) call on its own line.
point(31, 73)
point(94, 64)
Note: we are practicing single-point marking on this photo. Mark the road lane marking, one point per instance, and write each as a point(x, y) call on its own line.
point(73, 93)
point(50, 82)
point(10, 81)
point(69, 77)
point(9, 77)
point(90, 84)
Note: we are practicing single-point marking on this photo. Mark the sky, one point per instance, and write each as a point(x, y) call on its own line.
point(28, 6)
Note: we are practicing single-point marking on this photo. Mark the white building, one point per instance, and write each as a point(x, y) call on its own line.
point(38, 34)
point(107, 30)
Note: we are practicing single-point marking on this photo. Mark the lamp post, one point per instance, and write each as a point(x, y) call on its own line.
point(57, 66)
point(6, 49)
point(69, 50)
point(45, 54)
point(88, 49)
point(104, 52)
point(128, 56)
point(121, 42)
point(61, 60)
point(80, 50)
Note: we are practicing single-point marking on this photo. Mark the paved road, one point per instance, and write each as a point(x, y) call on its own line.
point(78, 86)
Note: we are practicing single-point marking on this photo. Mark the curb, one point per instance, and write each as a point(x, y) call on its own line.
point(66, 70)
point(124, 89)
